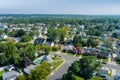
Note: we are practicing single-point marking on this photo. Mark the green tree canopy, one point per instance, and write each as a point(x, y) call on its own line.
point(84, 68)
point(40, 72)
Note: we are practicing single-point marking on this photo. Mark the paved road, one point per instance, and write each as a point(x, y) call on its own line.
point(63, 69)
point(70, 59)
point(112, 66)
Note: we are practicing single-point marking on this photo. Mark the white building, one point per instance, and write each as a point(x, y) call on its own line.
point(4, 36)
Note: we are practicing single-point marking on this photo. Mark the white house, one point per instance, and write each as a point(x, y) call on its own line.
point(81, 27)
point(4, 36)
point(10, 67)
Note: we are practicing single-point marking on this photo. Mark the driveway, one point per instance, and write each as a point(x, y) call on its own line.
point(57, 75)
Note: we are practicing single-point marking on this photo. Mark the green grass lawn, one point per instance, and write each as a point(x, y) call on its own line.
point(103, 60)
point(56, 58)
point(57, 61)
point(97, 78)
point(1, 73)
point(110, 74)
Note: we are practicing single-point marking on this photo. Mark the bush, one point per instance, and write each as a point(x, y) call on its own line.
point(56, 48)
point(118, 61)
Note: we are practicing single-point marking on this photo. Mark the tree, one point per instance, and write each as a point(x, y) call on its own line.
point(75, 68)
point(6, 30)
point(58, 34)
point(20, 33)
point(115, 35)
point(91, 42)
point(29, 51)
point(88, 66)
point(46, 48)
point(78, 45)
point(108, 43)
point(22, 77)
point(40, 72)
point(1, 32)
point(84, 68)
point(71, 76)
point(62, 33)
point(10, 55)
point(32, 33)
point(19, 45)
point(26, 38)
point(77, 39)
point(52, 34)
point(25, 62)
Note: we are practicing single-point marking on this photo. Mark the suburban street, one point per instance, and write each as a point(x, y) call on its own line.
point(57, 75)
point(116, 67)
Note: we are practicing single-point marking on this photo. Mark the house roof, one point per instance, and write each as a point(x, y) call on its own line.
point(28, 68)
point(10, 75)
point(102, 54)
point(40, 41)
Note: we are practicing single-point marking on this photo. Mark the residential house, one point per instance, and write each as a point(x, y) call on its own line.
point(104, 54)
point(117, 76)
point(11, 75)
point(51, 44)
point(40, 41)
point(81, 28)
point(96, 52)
point(117, 32)
point(103, 37)
point(78, 50)
point(4, 36)
point(29, 68)
point(68, 48)
point(10, 67)
point(91, 51)
point(103, 72)
point(37, 63)
point(3, 26)
point(83, 34)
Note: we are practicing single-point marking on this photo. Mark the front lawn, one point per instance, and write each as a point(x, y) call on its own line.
point(57, 61)
point(110, 74)
point(104, 60)
point(97, 78)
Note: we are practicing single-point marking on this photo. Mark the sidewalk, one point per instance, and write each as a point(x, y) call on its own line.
point(113, 74)
point(113, 62)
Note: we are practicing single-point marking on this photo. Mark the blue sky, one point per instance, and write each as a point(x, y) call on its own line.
point(88, 7)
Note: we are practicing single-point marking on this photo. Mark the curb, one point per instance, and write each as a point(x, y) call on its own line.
point(56, 68)
point(59, 66)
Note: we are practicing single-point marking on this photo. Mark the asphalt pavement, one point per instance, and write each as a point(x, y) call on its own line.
point(116, 67)
point(69, 59)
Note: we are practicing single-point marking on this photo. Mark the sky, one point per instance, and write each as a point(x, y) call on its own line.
point(85, 7)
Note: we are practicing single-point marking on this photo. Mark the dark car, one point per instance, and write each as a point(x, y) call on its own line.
point(104, 62)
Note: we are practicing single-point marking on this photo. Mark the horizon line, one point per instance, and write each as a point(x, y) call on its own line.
point(58, 14)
